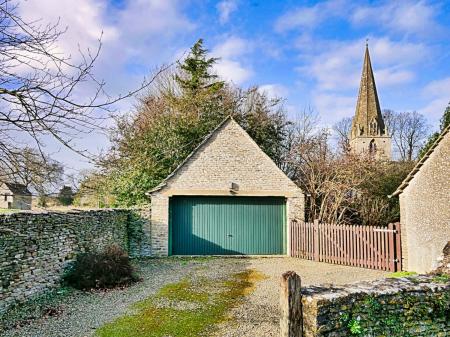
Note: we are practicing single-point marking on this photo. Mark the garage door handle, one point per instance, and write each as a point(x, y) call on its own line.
point(229, 235)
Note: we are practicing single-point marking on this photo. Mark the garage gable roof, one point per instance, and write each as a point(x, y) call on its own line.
point(420, 163)
point(205, 141)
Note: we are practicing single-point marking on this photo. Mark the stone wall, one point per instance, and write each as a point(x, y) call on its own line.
point(35, 247)
point(230, 155)
point(418, 306)
point(139, 232)
point(425, 211)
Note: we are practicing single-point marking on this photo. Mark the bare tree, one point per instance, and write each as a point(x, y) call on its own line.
point(298, 131)
point(41, 90)
point(342, 129)
point(41, 175)
point(408, 131)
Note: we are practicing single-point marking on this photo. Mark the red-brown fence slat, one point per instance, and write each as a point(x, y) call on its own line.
point(372, 250)
point(363, 246)
point(381, 249)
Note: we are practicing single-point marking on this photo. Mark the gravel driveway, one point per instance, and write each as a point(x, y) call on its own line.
point(258, 315)
point(82, 313)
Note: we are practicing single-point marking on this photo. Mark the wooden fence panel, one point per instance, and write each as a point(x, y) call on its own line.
point(360, 246)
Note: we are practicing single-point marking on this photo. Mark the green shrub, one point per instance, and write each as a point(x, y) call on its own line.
point(107, 269)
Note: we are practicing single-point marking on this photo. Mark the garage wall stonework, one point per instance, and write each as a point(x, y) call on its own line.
point(425, 211)
point(228, 157)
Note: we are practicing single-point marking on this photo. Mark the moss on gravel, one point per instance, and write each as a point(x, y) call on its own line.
point(212, 298)
point(49, 303)
point(400, 274)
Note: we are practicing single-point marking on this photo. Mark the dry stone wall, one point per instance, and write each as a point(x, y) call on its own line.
point(35, 247)
point(418, 307)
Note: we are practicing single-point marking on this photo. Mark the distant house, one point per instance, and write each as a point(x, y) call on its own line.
point(425, 207)
point(14, 196)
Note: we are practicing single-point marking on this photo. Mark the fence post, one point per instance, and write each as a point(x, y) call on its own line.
point(392, 254)
point(398, 244)
point(291, 318)
point(316, 240)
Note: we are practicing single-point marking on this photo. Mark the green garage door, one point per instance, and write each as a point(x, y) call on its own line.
point(227, 225)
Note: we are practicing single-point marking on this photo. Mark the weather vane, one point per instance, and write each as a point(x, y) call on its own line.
point(367, 42)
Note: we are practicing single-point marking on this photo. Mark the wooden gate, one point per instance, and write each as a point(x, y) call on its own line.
point(359, 246)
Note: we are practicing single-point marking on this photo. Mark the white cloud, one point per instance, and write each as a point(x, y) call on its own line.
point(400, 16)
point(231, 66)
point(438, 88)
point(389, 77)
point(274, 90)
point(137, 37)
point(310, 17)
point(333, 107)
point(142, 34)
point(84, 20)
point(410, 16)
point(233, 71)
point(232, 47)
point(225, 8)
point(437, 93)
point(337, 66)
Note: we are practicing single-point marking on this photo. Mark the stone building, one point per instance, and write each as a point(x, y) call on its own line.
point(14, 196)
point(228, 197)
point(369, 133)
point(425, 207)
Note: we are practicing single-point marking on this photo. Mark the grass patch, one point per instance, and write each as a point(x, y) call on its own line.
point(8, 210)
point(400, 274)
point(212, 299)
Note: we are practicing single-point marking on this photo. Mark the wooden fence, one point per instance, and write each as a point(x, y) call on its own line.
point(360, 246)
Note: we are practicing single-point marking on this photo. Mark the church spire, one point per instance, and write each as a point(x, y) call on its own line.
point(368, 120)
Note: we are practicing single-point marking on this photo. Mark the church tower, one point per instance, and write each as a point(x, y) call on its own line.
point(368, 133)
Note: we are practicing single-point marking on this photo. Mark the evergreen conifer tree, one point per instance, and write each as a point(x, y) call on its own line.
point(197, 74)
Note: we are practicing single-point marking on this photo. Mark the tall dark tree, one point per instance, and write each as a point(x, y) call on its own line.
point(196, 75)
point(66, 195)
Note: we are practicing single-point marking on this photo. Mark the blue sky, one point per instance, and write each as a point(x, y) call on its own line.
point(310, 52)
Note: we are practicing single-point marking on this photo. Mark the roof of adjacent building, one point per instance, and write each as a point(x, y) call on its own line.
point(421, 162)
point(17, 189)
point(368, 105)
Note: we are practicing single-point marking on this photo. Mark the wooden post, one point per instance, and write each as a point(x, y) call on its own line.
point(398, 244)
point(391, 247)
point(291, 318)
point(316, 240)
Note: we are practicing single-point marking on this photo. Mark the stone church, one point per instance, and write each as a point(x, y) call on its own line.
point(369, 134)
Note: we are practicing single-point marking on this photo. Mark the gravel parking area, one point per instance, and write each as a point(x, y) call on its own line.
point(82, 313)
point(258, 315)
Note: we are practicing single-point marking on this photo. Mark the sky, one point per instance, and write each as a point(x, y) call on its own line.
point(309, 52)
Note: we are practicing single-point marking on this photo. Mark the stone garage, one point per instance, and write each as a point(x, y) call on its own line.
point(227, 198)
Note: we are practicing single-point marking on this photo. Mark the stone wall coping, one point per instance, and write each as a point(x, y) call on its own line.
point(72, 211)
point(378, 287)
